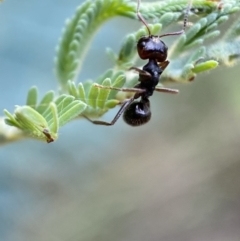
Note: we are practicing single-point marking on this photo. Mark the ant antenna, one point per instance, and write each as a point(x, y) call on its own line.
point(185, 20)
point(140, 17)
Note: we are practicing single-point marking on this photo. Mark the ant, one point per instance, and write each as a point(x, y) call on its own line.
point(137, 112)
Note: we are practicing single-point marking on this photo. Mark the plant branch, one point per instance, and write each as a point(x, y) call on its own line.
point(188, 56)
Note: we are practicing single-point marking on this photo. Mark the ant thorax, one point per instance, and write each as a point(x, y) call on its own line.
point(150, 79)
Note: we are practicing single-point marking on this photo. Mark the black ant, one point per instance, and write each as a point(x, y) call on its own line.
point(149, 47)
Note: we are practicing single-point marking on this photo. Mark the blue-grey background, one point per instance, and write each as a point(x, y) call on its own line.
point(174, 179)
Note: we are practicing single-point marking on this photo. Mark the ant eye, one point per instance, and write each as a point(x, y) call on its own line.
point(143, 44)
point(138, 113)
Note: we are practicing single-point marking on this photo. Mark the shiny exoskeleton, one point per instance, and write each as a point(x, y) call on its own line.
point(136, 110)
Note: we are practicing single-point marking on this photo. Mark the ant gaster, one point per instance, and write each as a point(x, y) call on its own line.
point(137, 112)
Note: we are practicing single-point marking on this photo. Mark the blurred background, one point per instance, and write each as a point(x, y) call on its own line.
point(174, 179)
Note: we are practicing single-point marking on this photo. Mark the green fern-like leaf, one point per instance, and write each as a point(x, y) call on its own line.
point(98, 101)
point(42, 121)
point(79, 32)
point(81, 28)
point(186, 63)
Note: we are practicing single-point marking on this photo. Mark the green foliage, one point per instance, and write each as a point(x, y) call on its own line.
point(202, 48)
point(79, 31)
point(43, 121)
point(98, 100)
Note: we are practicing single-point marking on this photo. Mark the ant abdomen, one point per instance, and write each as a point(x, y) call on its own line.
point(138, 113)
point(151, 47)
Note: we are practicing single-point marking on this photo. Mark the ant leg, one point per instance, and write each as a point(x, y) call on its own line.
point(140, 17)
point(121, 110)
point(163, 65)
point(136, 90)
point(142, 72)
point(167, 90)
point(185, 20)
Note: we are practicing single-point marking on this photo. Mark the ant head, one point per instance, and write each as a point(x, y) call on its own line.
point(138, 113)
point(151, 47)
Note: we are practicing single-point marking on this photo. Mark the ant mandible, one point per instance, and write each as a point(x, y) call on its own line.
point(137, 112)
